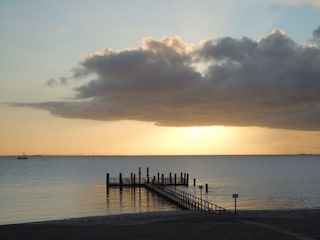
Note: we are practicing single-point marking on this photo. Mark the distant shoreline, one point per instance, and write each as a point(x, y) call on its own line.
point(169, 155)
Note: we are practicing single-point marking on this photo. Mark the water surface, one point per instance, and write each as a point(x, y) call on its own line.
point(43, 188)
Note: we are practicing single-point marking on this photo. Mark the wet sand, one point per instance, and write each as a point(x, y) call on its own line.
point(294, 224)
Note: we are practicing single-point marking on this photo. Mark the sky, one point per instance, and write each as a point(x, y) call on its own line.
point(159, 77)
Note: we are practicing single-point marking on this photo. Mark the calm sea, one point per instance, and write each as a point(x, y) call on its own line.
point(45, 188)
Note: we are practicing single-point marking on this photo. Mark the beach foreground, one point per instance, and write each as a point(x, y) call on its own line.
point(295, 224)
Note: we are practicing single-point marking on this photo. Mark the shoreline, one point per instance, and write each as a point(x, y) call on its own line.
point(247, 224)
point(265, 213)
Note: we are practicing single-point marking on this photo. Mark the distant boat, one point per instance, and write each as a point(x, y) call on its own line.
point(22, 156)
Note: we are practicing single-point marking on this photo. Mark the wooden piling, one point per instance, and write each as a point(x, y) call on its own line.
point(120, 181)
point(170, 178)
point(194, 182)
point(162, 178)
point(134, 180)
point(206, 187)
point(175, 179)
point(139, 175)
point(158, 178)
point(107, 182)
point(148, 180)
point(187, 183)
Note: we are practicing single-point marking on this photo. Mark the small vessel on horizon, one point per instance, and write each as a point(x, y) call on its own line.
point(22, 156)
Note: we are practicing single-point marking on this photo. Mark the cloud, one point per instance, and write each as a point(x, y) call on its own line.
point(316, 35)
point(273, 83)
point(54, 82)
point(51, 82)
point(278, 3)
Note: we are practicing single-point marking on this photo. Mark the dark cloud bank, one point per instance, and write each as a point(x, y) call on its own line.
point(272, 82)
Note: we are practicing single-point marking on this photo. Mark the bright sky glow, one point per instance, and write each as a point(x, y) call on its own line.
point(42, 42)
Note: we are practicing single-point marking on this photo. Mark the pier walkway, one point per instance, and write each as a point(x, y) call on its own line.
point(166, 188)
point(185, 200)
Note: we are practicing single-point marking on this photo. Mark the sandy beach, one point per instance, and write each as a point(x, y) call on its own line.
point(294, 224)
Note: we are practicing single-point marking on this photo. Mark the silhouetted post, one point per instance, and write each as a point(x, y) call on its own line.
point(154, 179)
point(184, 178)
point(175, 179)
point(181, 178)
point(148, 180)
point(120, 181)
point(120, 178)
point(187, 183)
point(206, 187)
point(200, 187)
point(170, 178)
point(134, 180)
point(107, 183)
point(139, 175)
point(158, 178)
point(194, 182)
point(235, 196)
point(131, 177)
point(162, 178)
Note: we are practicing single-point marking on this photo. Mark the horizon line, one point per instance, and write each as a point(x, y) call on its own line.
point(159, 155)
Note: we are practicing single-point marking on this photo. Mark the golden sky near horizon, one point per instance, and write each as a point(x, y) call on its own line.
point(58, 136)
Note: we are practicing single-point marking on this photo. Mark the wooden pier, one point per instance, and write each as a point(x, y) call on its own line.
point(166, 188)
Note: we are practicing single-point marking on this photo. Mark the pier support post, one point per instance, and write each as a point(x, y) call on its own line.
point(187, 183)
point(194, 182)
point(158, 178)
point(206, 187)
point(107, 183)
point(139, 175)
point(235, 196)
point(175, 179)
point(181, 178)
point(170, 178)
point(148, 180)
point(120, 181)
point(134, 180)
point(162, 178)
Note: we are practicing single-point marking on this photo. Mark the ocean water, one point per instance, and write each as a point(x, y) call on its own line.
point(46, 188)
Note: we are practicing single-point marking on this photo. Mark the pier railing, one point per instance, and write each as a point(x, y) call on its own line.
point(192, 202)
point(126, 181)
point(130, 181)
